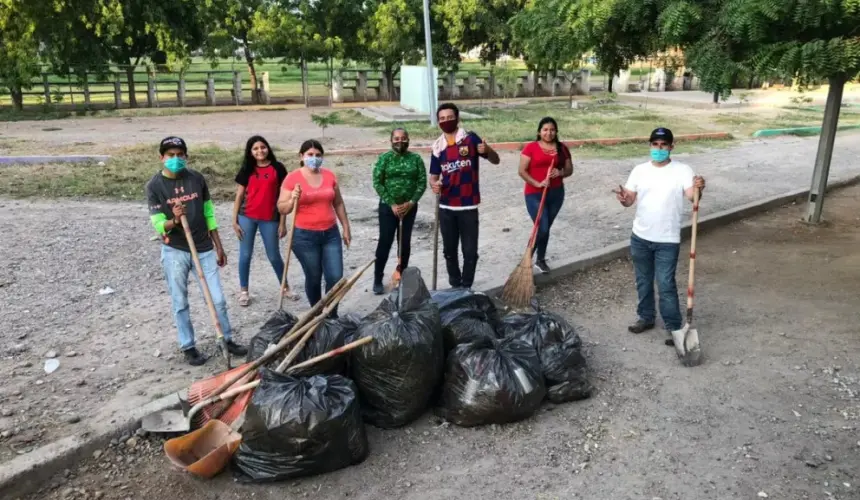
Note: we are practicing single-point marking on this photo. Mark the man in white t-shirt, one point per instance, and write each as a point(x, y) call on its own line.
point(660, 187)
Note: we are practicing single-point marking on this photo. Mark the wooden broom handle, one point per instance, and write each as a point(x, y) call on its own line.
point(289, 250)
point(533, 237)
point(206, 293)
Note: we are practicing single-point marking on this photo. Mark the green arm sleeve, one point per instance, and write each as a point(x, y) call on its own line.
point(158, 221)
point(421, 178)
point(379, 181)
point(209, 214)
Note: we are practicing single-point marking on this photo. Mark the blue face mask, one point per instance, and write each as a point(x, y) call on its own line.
point(314, 162)
point(659, 155)
point(175, 164)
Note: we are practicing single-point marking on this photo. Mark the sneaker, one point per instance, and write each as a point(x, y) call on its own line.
point(235, 349)
point(378, 289)
point(193, 357)
point(640, 326)
point(542, 266)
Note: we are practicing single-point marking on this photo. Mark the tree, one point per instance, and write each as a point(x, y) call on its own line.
point(19, 55)
point(391, 36)
point(230, 24)
point(619, 31)
point(479, 23)
point(544, 43)
point(808, 39)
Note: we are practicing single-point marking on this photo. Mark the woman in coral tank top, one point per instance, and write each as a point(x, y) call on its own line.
point(317, 240)
point(545, 162)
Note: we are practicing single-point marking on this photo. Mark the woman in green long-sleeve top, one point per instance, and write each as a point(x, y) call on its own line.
point(400, 179)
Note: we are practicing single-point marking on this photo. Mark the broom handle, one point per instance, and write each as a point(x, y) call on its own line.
point(251, 385)
point(289, 250)
point(299, 329)
point(695, 227)
point(533, 237)
point(436, 243)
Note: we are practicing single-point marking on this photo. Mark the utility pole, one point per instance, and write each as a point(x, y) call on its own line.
point(829, 126)
point(431, 81)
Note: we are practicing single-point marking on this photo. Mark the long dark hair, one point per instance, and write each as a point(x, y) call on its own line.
point(310, 144)
point(559, 147)
point(249, 163)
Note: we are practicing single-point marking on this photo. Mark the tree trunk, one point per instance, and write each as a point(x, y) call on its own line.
point(825, 149)
point(716, 97)
point(609, 85)
point(388, 74)
point(17, 97)
point(330, 82)
point(129, 75)
point(305, 91)
point(252, 71)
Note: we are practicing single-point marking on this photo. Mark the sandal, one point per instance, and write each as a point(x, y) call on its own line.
point(244, 299)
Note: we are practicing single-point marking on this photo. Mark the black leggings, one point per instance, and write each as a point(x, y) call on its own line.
point(388, 224)
point(460, 227)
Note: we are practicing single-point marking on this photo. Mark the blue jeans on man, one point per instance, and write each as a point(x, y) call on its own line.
point(177, 264)
point(656, 262)
point(320, 254)
point(269, 233)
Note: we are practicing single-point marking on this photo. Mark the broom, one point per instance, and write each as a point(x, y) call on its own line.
point(520, 287)
point(217, 384)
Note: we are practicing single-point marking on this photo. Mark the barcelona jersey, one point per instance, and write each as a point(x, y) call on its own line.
point(458, 169)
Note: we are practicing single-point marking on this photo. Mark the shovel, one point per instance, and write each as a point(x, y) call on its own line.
point(210, 304)
point(285, 286)
point(687, 338)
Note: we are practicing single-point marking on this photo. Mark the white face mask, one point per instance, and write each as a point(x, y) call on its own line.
point(313, 162)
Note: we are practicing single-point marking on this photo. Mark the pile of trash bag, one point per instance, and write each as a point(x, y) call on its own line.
point(300, 426)
point(271, 333)
point(491, 381)
point(559, 348)
point(397, 373)
point(466, 316)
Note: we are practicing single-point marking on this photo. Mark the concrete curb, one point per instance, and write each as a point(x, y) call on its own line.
point(499, 146)
point(622, 249)
point(27, 473)
point(799, 131)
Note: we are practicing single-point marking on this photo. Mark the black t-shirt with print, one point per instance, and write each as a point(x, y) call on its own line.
point(188, 188)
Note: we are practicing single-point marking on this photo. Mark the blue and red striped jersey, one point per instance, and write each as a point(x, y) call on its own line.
point(457, 167)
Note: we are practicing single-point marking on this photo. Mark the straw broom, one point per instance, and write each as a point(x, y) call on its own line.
point(520, 287)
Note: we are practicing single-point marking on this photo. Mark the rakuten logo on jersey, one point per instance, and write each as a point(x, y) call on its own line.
point(453, 166)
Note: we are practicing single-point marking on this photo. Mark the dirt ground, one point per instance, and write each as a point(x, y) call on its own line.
point(772, 413)
point(117, 350)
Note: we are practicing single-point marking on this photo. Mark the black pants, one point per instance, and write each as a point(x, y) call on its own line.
point(388, 225)
point(460, 227)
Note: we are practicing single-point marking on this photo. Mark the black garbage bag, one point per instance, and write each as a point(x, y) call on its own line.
point(491, 381)
point(300, 426)
point(397, 373)
point(350, 323)
point(329, 335)
point(466, 316)
point(271, 332)
point(560, 350)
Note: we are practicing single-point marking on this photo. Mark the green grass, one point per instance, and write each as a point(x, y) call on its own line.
point(745, 123)
point(520, 123)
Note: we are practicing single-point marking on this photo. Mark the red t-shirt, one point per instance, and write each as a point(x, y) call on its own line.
point(262, 188)
point(540, 164)
point(316, 204)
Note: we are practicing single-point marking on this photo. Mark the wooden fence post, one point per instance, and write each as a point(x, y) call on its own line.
point(151, 92)
point(180, 91)
point(47, 88)
point(87, 102)
point(117, 92)
point(237, 89)
point(267, 90)
point(210, 90)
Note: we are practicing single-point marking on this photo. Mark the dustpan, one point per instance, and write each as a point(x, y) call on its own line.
point(206, 451)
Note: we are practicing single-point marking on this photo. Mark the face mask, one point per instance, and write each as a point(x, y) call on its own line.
point(400, 147)
point(175, 164)
point(659, 155)
point(313, 162)
point(449, 127)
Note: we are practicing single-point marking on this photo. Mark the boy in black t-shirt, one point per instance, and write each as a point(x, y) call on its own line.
point(171, 193)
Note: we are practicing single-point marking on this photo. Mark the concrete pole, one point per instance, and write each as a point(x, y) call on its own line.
point(431, 81)
point(825, 150)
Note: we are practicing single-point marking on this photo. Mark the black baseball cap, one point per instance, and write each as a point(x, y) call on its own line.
point(172, 142)
point(662, 133)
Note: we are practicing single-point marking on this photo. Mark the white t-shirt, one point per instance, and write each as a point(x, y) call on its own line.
point(659, 200)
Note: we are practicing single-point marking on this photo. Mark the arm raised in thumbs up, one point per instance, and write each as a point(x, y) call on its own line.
point(489, 153)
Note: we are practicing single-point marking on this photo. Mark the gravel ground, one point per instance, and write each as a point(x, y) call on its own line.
point(118, 350)
point(772, 413)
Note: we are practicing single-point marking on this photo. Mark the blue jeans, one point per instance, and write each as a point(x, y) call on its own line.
point(177, 264)
point(269, 234)
point(551, 208)
point(320, 253)
point(656, 261)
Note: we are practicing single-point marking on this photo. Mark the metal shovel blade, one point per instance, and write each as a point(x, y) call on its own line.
point(687, 345)
point(171, 420)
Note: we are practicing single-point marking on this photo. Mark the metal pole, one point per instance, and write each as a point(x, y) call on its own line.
point(431, 81)
point(825, 150)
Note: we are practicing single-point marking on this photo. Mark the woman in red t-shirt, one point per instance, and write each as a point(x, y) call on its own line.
point(545, 162)
point(317, 240)
point(255, 208)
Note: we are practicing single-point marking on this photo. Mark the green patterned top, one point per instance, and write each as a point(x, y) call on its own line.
point(399, 178)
